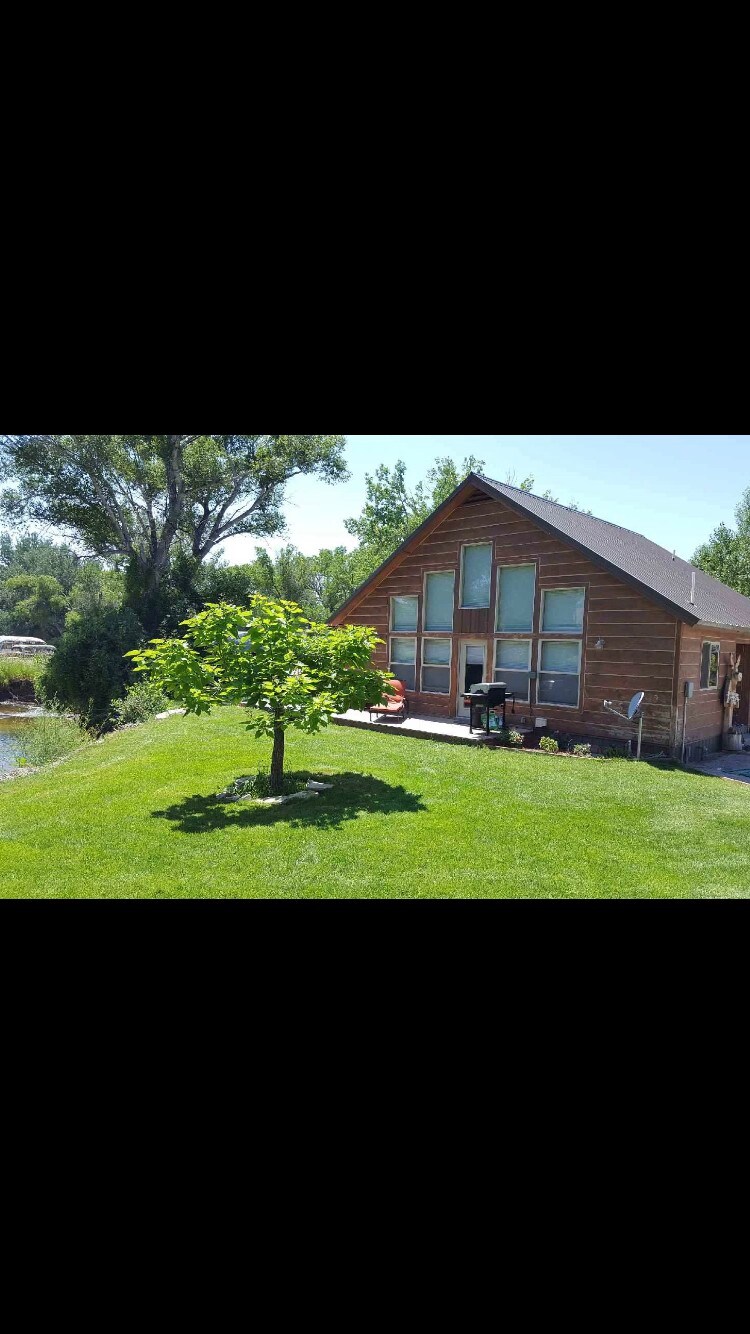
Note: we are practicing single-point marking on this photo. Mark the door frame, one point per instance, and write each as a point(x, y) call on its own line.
point(469, 641)
point(743, 713)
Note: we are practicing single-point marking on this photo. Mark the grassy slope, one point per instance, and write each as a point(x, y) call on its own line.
point(134, 816)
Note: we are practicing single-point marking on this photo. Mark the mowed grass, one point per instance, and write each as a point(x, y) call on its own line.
point(135, 816)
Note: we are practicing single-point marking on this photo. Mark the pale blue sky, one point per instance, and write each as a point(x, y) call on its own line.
point(673, 488)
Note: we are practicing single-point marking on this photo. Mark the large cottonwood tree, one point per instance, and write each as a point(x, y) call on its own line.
point(140, 498)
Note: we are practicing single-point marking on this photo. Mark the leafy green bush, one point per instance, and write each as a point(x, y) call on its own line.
point(51, 737)
point(508, 737)
point(549, 745)
point(142, 702)
point(615, 753)
point(89, 670)
point(15, 670)
point(583, 750)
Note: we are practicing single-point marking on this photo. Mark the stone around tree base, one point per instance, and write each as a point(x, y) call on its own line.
point(312, 790)
point(171, 713)
point(280, 801)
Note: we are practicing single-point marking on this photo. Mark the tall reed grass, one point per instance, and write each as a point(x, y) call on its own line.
point(15, 670)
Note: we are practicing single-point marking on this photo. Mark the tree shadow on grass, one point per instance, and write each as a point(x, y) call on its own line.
point(351, 795)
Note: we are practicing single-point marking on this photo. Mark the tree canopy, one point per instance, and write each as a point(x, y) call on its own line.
point(134, 497)
point(726, 554)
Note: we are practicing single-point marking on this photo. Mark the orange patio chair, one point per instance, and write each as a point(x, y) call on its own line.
point(396, 705)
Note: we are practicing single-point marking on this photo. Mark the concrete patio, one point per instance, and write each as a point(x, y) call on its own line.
point(434, 729)
point(726, 764)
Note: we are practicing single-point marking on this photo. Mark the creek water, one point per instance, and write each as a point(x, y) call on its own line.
point(13, 720)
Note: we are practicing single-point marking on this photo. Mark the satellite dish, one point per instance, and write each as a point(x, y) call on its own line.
point(635, 704)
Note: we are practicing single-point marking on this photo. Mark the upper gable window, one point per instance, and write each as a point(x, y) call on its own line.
point(476, 576)
point(516, 591)
point(404, 612)
point(438, 601)
point(710, 655)
point(562, 610)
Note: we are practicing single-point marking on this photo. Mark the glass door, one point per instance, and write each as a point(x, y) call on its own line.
point(471, 670)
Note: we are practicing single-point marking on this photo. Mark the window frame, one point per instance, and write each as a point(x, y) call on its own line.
point(438, 633)
point(715, 644)
point(392, 664)
point(515, 639)
point(431, 639)
point(515, 565)
point(574, 588)
point(405, 633)
point(544, 704)
point(464, 547)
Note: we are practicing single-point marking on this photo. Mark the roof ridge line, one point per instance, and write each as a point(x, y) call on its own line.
point(633, 531)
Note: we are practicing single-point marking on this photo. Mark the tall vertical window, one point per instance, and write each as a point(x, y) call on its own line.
point(476, 576)
point(559, 672)
point(438, 601)
point(562, 610)
point(513, 666)
point(436, 666)
point(710, 657)
point(516, 591)
point(404, 612)
point(403, 662)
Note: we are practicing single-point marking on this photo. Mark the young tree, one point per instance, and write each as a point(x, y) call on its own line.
point(291, 671)
point(134, 497)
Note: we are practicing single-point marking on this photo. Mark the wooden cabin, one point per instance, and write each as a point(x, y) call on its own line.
point(567, 609)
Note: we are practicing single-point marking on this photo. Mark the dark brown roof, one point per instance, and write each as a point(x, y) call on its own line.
point(653, 570)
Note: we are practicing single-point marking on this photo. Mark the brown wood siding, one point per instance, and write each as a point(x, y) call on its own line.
point(639, 637)
point(705, 711)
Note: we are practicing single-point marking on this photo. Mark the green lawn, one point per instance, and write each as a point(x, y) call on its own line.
point(134, 816)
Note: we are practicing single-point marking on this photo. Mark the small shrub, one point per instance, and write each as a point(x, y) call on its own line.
point(584, 750)
point(51, 737)
point(615, 753)
point(549, 745)
point(89, 671)
point(259, 786)
point(142, 702)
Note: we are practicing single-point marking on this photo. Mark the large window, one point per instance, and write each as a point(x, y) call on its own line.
point(404, 661)
point(438, 601)
point(476, 576)
point(404, 612)
point(516, 590)
point(559, 672)
point(710, 656)
point(436, 666)
point(562, 611)
point(513, 666)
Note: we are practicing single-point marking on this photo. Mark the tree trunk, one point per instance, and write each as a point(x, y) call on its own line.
point(277, 761)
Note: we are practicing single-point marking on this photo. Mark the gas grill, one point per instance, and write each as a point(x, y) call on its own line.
point(485, 697)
